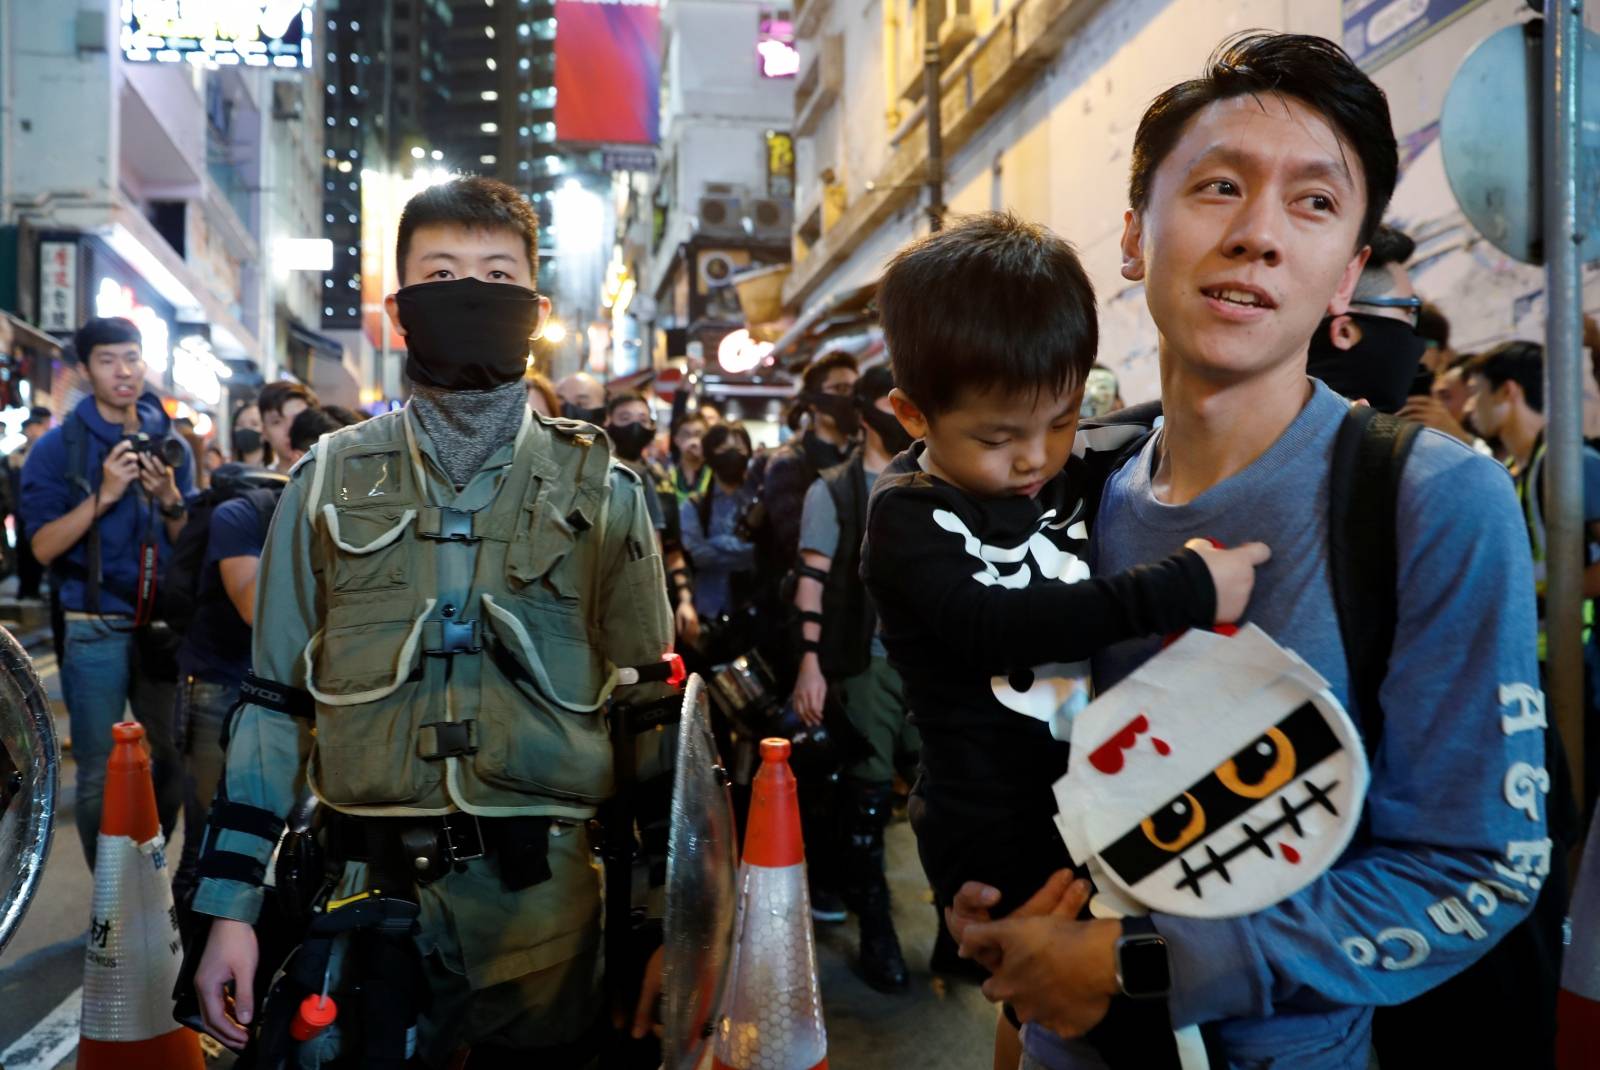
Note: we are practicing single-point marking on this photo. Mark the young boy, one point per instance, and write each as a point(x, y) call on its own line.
point(975, 539)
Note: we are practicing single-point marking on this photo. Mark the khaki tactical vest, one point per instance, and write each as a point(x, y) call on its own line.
point(495, 705)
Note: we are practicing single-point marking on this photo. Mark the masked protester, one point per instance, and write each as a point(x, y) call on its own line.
point(722, 558)
point(438, 597)
point(826, 397)
point(582, 398)
point(843, 662)
point(631, 425)
point(1373, 353)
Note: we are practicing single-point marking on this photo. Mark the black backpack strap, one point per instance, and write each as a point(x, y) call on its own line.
point(76, 434)
point(1369, 459)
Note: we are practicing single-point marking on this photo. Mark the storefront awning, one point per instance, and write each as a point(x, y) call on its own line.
point(845, 313)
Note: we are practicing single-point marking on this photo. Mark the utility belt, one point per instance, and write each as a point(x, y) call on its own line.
point(423, 849)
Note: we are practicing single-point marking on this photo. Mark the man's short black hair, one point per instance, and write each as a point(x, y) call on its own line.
point(989, 303)
point(311, 425)
point(719, 434)
point(627, 397)
point(1432, 325)
point(818, 370)
point(274, 396)
point(1312, 70)
point(874, 383)
point(1513, 362)
point(1390, 245)
point(473, 201)
point(106, 331)
point(345, 416)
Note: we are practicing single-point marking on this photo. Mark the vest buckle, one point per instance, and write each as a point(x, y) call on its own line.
point(451, 739)
point(454, 637)
point(455, 525)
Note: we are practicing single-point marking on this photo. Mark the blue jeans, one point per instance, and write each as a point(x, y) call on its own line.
point(201, 713)
point(101, 676)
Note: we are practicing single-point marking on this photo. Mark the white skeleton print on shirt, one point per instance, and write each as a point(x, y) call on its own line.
point(1052, 693)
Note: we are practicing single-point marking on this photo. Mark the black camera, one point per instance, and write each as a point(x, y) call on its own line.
point(167, 450)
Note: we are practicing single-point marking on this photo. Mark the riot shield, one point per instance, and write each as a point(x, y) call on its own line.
point(702, 870)
point(29, 772)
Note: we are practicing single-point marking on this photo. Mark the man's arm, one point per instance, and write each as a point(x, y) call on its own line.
point(239, 580)
point(819, 541)
point(726, 553)
point(46, 490)
point(234, 543)
point(264, 766)
point(1456, 809)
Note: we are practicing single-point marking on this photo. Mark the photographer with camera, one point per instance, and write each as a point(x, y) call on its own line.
point(104, 498)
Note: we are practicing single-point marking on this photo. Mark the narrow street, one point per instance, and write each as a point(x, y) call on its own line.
point(947, 1025)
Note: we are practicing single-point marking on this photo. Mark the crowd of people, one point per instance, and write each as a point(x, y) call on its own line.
point(931, 575)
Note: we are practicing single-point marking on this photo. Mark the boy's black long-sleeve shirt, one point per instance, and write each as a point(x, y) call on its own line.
point(982, 601)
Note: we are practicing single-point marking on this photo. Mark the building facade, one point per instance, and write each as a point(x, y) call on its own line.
point(140, 177)
point(1040, 99)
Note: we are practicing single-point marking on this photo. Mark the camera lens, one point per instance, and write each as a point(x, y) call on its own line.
point(172, 452)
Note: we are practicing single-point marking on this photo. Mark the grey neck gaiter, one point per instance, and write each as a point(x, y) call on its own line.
point(466, 426)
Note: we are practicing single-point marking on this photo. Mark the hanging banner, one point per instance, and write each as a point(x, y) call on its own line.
point(608, 71)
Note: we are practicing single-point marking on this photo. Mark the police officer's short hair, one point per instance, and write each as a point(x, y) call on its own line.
point(472, 201)
point(105, 331)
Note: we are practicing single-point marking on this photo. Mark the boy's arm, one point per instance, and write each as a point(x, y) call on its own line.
point(1456, 809)
point(927, 575)
point(265, 747)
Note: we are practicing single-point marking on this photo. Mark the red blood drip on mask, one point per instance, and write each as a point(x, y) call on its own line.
point(1162, 748)
point(1289, 853)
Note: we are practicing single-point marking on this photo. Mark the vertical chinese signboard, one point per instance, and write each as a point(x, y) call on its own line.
point(58, 286)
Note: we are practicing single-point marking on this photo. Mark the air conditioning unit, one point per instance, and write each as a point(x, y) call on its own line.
point(717, 270)
point(769, 218)
point(287, 103)
point(721, 216)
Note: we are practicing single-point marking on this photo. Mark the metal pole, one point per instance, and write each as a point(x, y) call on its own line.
point(1563, 471)
point(391, 172)
point(931, 112)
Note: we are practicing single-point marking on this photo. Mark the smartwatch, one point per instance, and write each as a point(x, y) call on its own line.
point(1142, 968)
point(173, 512)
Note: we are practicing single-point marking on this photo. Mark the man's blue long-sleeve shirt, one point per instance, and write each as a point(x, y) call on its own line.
point(1456, 811)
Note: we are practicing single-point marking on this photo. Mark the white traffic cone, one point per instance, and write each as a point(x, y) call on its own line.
point(772, 1014)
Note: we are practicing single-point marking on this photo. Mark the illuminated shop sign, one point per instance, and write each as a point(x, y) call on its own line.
point(254, 33)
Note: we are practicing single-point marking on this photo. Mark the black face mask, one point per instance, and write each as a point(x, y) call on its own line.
point(588, 416)
point(1380, 368)
point(896, 439)
point(246, 440)
point(842, 411)
point(631, 439)
point(467, 334)
point(729, 465)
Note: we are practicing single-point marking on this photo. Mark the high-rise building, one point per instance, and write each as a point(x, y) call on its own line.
point(384, 73)
point(498, 117)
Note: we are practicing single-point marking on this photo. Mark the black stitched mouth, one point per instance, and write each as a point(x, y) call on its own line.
point(1255, 839)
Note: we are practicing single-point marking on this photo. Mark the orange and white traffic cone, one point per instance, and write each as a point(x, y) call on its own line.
point(133, 954)
point(772, 1013)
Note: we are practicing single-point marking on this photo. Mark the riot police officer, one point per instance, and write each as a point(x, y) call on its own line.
point(447, 595)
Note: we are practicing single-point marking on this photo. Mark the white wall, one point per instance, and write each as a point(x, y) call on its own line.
point(52, 144)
